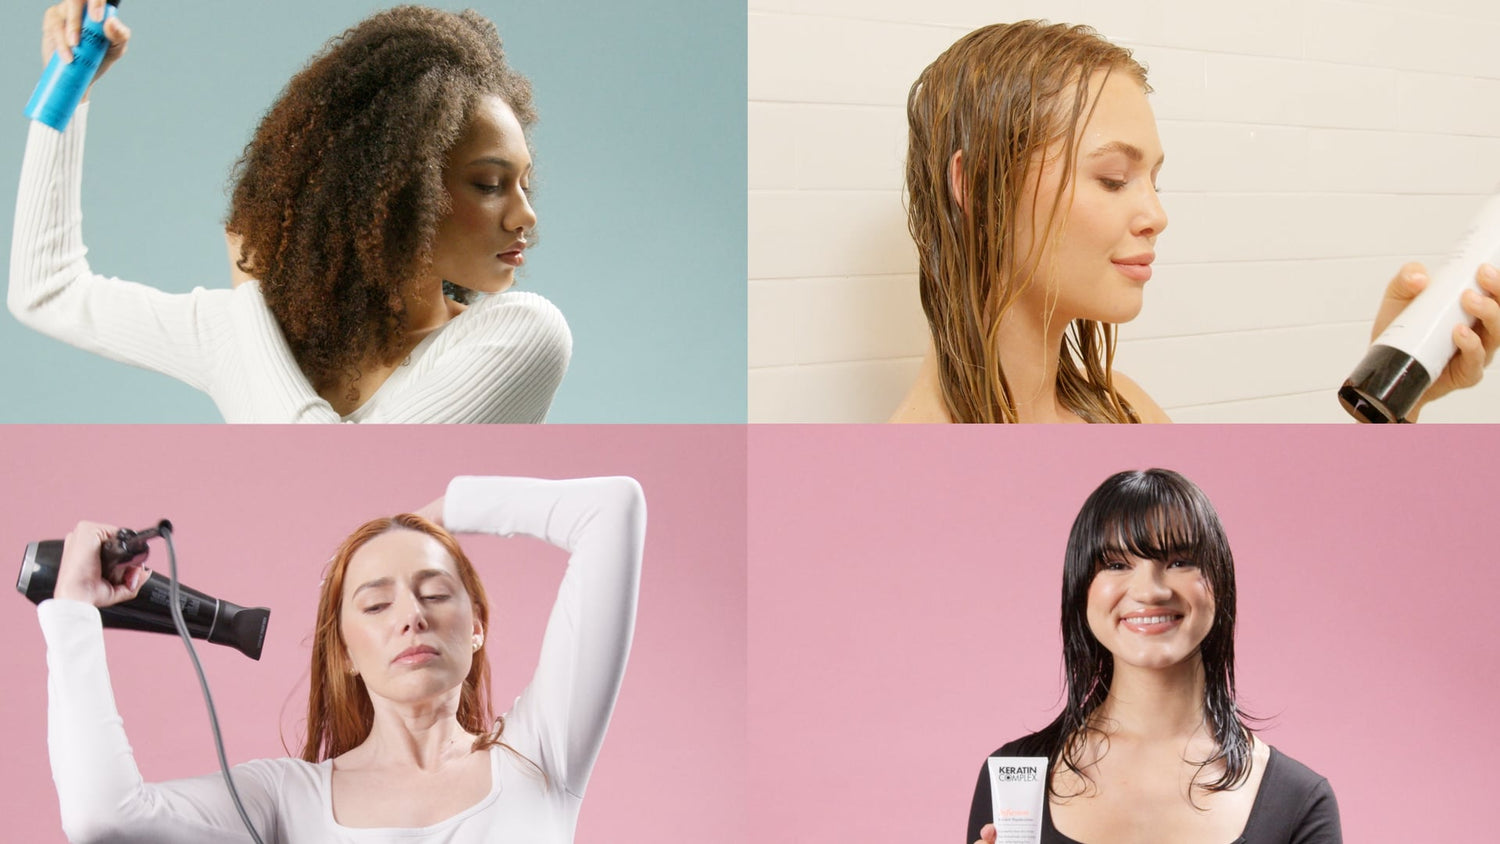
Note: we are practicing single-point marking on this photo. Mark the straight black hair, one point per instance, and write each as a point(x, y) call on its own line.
point(1155, 514)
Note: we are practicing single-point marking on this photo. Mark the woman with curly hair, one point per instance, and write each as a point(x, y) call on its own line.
point(1031, 187)
point(386, 186)
point(1152, 744)
point(402, 744)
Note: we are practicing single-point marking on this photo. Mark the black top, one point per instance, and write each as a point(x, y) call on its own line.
point(1293, 806)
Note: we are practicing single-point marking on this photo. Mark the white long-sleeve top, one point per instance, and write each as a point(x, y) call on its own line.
point(558, 722)
point(500, 360)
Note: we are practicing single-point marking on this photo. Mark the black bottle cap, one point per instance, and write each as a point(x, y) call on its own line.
point(1385, 386)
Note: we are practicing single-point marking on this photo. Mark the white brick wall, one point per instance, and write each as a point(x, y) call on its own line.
point(1313, 146)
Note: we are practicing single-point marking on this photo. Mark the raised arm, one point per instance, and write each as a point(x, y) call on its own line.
point(99, 788)
point(53, 290)
point(223, 342)
point(602, 522)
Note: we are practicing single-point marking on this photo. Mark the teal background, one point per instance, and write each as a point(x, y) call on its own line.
point(640, 190)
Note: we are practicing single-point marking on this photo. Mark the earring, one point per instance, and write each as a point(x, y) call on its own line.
point(477, 643)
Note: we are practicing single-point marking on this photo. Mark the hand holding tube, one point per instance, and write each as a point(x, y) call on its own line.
point(1476, 344)
point(81, 575)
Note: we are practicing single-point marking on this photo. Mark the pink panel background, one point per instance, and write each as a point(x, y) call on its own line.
point(258, 512)
point(905, 586)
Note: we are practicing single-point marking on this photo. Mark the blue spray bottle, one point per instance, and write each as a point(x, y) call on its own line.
point(63, 83)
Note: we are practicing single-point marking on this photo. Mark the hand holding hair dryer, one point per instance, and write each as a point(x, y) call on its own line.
point(218, 621)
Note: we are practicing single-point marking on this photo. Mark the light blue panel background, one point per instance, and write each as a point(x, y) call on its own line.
point(640, 156)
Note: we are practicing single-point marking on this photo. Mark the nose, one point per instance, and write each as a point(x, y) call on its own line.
point(1148, 584)
point(520, 217)
point(1151, 219)
point(413, 615)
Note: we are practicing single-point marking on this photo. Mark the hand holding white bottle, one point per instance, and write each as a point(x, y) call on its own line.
point(1432, 336)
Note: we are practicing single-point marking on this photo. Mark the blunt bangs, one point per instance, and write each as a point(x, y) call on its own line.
point(1154, 515)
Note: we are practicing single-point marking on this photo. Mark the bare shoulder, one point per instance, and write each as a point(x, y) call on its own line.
point(916, 410)
point(1148, 409)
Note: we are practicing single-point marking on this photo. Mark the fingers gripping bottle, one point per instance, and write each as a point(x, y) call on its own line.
point(1410, 354)
point(62, 85)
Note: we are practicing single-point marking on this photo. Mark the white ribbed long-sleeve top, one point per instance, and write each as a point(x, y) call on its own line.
point(500, 360)
point(558, 722)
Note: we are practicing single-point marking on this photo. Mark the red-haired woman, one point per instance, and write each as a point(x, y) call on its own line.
point(401, 743)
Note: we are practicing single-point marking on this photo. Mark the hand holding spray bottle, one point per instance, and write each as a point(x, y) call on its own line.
point(64, 83)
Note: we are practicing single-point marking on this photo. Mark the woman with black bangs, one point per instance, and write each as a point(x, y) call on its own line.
point(1152, 745)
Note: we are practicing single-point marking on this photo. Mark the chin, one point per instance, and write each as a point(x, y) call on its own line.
point(1120, 308)
point(493, 285)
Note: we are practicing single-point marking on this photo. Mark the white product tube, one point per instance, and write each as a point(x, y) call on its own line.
point(1413, 350)
point(1018, 787)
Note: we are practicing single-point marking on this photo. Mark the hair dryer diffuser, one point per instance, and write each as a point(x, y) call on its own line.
point(207, 617)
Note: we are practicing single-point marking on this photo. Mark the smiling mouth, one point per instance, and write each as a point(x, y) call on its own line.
point(1150, 624)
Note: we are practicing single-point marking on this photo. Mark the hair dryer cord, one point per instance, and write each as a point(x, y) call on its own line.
point(165, 531)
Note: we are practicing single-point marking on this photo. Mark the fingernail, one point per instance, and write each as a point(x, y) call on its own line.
point(1489, 273)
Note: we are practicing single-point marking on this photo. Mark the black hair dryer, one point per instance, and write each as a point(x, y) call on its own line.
point(207, 617)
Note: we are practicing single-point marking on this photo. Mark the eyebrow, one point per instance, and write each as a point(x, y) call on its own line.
point(1130, 151)
point(420, 577)
point(498, 162)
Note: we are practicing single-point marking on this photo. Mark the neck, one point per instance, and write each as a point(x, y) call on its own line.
point(1154, 704)
point(427, 309)
point(1029, 344)
point(1029, 348)
point(423, 735)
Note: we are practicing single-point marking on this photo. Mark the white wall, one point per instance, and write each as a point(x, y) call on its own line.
point(1313, 146)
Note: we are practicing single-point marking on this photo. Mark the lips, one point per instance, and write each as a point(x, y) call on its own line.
point(416, 654)
point(513, 256)
point(1136, 267)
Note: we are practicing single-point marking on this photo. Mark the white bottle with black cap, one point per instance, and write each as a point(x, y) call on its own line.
point(1414, 349)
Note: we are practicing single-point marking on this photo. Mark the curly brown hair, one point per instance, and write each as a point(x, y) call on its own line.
point(339, 194)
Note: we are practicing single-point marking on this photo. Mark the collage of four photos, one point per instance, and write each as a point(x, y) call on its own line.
point(606, 310)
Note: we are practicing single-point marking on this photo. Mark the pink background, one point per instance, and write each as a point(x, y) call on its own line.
point(905, 585)
point(258, 511)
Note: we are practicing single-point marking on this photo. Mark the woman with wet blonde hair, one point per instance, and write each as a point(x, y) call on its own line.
point(402, 744)
point(969, 184)
point(1031, 189)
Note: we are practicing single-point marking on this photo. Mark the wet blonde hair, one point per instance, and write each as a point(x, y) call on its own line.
point(1004, 95)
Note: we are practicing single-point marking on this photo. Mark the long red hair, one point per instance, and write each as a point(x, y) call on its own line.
point(339, 713)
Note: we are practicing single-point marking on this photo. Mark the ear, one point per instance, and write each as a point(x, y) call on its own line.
point(956, 185)
point(478, 634)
